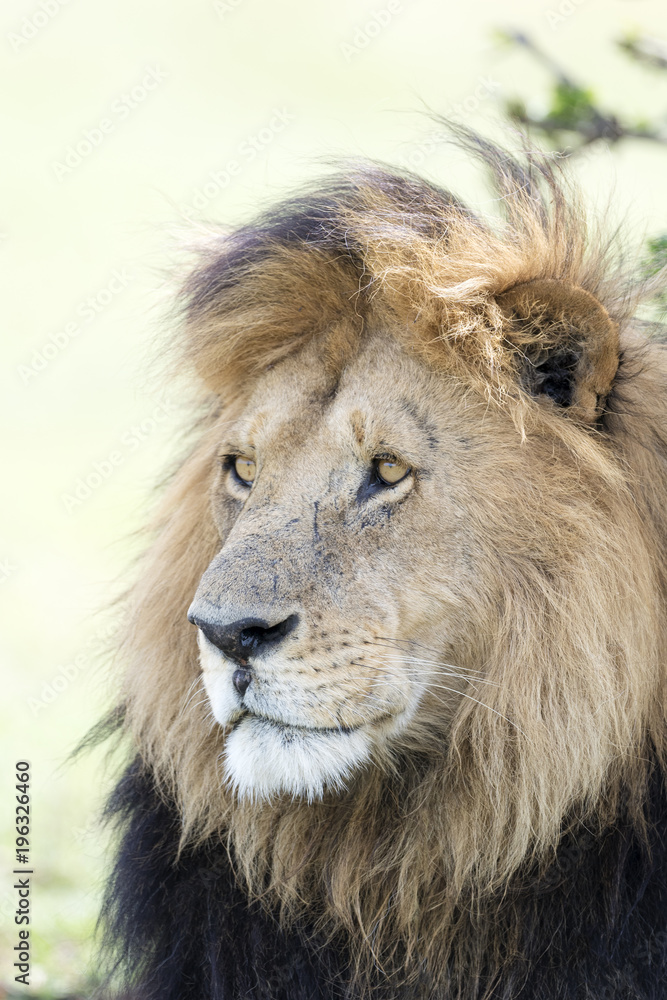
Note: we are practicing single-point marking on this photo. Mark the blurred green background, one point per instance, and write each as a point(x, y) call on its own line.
point(125, 125)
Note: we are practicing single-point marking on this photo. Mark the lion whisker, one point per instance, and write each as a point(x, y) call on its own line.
point(407, 642)
point(403, 658)
point(202, 701)
point(483, 704)
point(459, 671)
point(194, 689)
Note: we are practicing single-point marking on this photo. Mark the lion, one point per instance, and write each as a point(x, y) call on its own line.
point(395, 682)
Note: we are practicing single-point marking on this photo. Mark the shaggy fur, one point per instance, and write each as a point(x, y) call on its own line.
point(507, 605)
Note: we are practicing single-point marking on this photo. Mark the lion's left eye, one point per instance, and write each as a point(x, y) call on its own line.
point(245, 469)
point(390, 470)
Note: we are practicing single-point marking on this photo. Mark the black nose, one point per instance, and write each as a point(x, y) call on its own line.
point(244, 638)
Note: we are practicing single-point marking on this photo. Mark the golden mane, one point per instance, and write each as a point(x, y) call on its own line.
point(402, 860)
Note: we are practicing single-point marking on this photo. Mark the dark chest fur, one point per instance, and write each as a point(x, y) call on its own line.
point(595, 928)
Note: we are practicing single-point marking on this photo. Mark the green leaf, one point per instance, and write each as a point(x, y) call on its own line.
point(570, 105)
point(516, 109)
point(657, 254)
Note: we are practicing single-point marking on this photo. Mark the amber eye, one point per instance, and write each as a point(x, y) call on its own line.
point(391, 470)
point(245, 469)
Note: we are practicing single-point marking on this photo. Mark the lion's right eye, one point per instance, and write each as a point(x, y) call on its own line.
point(245, 468)
point(391, 471)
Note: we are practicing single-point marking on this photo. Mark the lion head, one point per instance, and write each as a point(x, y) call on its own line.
point(420, 535)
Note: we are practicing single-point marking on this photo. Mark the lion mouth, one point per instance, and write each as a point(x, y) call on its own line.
point(296, 729)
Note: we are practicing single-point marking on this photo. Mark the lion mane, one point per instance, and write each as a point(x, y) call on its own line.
point(508, 838)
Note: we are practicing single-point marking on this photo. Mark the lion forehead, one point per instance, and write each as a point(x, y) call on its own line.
point(380, 395)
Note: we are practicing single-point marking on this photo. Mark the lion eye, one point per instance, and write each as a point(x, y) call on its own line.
point(390, 470)
point(245, 468)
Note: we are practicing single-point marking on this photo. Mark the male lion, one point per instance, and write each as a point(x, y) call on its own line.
point(420, 540)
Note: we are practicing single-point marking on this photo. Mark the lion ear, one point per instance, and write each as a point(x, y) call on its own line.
point(568, 343)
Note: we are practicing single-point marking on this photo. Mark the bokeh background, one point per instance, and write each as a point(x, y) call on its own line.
point(124, 126)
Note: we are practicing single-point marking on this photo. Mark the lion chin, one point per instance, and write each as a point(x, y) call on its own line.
point(264, 758)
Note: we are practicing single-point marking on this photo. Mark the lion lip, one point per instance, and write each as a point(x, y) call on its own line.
point(310, 730)
point(295, 727)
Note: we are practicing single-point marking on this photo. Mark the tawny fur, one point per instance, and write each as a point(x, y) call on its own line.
point(574, 647)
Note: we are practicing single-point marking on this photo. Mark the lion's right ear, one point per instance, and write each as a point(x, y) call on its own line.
point(568, 343)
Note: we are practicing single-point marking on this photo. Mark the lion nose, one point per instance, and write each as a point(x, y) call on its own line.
point(243, 638)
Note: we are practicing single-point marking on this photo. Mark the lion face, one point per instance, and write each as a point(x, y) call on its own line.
point(328, 616)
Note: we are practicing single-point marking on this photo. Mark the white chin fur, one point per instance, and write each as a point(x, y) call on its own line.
point(263, 759)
